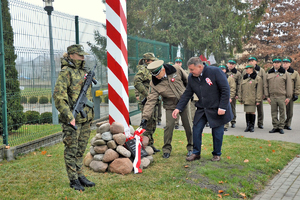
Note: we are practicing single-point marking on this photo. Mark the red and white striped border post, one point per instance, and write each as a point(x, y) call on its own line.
point(117, 62)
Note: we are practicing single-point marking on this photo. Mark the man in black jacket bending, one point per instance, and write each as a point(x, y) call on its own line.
point(211, 86)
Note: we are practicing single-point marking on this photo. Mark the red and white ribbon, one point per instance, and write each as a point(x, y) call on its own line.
point(208, 81)
point(137, 159)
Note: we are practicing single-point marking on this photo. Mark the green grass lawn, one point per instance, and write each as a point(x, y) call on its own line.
point(246, 166)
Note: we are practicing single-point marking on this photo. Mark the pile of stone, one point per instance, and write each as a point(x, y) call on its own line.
point(108, 151)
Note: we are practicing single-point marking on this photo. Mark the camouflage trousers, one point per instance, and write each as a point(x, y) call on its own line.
point(151, 125)
point(75, 142)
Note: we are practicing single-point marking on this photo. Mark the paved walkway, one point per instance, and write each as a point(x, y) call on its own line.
point(286, 184)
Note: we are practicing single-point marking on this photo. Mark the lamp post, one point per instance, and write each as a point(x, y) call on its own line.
point(49, 9)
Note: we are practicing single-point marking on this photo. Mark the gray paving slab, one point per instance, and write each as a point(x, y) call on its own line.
point(285, 185)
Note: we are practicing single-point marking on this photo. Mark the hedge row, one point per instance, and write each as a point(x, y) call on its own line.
point(45, 100)
point(34, 117)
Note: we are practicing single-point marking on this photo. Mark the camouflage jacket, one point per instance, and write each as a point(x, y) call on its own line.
point(142, 81)
point(67, 89)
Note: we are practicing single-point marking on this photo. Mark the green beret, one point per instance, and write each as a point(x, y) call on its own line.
point(287, 59)
point(249, 66)
point(178, 59)
point(76, 48)
point(232, 60)
point(251, 57)
point(155, 67)
point(222, 66)
point(276, 59)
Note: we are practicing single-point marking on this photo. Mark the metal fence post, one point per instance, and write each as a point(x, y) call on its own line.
point(49, 9)
point(3, 82)
point(76, 29)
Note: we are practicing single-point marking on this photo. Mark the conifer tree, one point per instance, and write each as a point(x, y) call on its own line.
point(14, 108)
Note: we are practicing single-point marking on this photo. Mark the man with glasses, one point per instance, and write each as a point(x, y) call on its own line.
point(278, 91)
point(169, 82)
point(234, 73)
point(287, 61)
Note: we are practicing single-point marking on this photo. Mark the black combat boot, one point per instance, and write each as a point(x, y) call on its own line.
point(76, 185)
point(252, 122)
point(248, 123)
point(85, 182)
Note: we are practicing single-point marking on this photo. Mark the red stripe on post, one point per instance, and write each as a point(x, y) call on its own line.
point(116, 69)
point(115, 36)
point(118, 102)
point(119, 11)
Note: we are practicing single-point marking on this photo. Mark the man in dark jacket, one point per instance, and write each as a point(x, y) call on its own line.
point(211, 86)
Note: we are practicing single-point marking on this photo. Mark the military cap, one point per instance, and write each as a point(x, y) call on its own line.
point(276, 59)
point(232, 60)
point(249, 66)
point(170, 63)
point(149, 56)
point(155, 67)
point(287, 59)
point(178, 59)
point(76, 48)
point(252, 57)
point(222, 66)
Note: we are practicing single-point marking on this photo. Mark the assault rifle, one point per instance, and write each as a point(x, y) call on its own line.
point(82, 101)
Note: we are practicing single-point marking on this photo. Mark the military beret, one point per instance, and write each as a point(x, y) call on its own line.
point(222, 66)
point(232, 60)
point(287, 59)
point(249, 66)
point(178, 59)
point(76, 48)
point(149, 56)
point(276, 59)
point(251, 57)
point(155, 67)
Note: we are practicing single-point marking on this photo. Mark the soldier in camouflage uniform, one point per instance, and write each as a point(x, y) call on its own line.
point(67, 89)
point(142, 84)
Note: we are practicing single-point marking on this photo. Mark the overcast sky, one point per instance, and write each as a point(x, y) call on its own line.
point(89, 9)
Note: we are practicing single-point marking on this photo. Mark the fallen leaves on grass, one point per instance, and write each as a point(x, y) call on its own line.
point(44, 152)
point(273, 151)
point(221, 182)
point(186, 166)
point(260, 147)
point(220, 191)
point(220, 196)
point(269, 145)
point(243, 195)
point(267, 159)
point(246, 161)
point(226, 194)
point(49, 155)
point(228, 157)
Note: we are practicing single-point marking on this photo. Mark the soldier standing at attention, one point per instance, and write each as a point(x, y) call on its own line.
point(142, 83)
point(250, 94)
point(234, 73)
point(232, 86)
point(169, 82)
point(178, 61)
point(67, 89)
point(252, 60)
point(296, 90)
point(278, 91)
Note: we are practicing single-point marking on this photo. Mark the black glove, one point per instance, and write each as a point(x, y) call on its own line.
point(295, 97)
point(143, 123)
point(144, 101)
